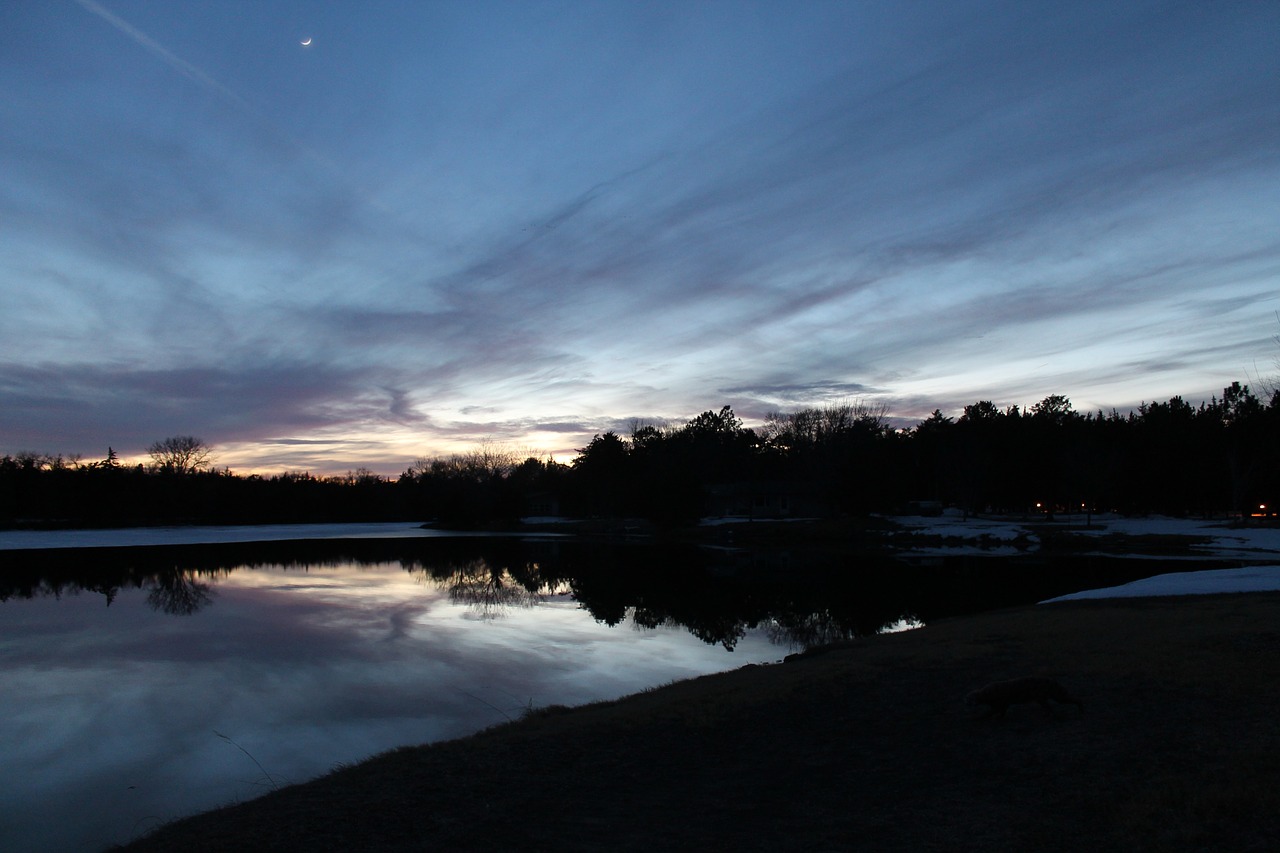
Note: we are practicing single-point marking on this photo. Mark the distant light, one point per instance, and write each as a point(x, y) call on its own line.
point(306, 42)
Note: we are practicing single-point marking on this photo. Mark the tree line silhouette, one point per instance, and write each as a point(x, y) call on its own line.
point(1173, 458)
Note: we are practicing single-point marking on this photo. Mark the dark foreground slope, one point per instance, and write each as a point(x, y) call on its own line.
point(868, 746)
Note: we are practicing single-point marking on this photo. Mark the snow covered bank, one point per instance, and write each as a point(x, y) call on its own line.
point(1241, 542)
point(978, 534)
point(953, 525)
point(1223, 541)
point(1250, 579)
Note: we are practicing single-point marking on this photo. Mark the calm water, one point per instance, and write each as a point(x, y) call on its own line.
point(114, 718)
point(141, 684)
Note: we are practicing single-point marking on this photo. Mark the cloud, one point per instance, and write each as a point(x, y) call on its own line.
point(699, 229)
point(92, 405)
point(936, 202)
point(804, 394)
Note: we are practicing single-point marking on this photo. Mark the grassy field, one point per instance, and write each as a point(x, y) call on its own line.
point(868, 746)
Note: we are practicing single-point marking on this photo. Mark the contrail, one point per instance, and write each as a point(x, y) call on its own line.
point(201, 78)
point(164, 53)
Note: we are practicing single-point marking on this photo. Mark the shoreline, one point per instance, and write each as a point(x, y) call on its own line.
point(866, 744)
point(946, 534)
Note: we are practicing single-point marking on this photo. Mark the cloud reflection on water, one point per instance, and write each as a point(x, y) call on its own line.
point(109, 717)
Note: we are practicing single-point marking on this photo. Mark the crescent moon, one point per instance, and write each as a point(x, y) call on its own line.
point(306, 41)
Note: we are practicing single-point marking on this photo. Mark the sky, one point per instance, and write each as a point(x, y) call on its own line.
point(340, 235)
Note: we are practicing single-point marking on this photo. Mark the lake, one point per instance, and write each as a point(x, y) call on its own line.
point(144, 683)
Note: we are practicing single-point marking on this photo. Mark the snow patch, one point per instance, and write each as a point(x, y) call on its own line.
point(1250, 579)
point(1225, 541)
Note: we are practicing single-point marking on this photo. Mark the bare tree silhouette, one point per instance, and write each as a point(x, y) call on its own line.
point(181, 454)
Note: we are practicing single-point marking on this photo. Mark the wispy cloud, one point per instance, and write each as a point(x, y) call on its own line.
point(383, 248)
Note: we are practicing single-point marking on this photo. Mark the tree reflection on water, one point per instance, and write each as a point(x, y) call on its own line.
point(814, 629)
point(488, 589)
point(799, 598)
point(178, 593)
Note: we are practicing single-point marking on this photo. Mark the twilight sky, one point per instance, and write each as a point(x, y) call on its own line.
point(535, 221)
